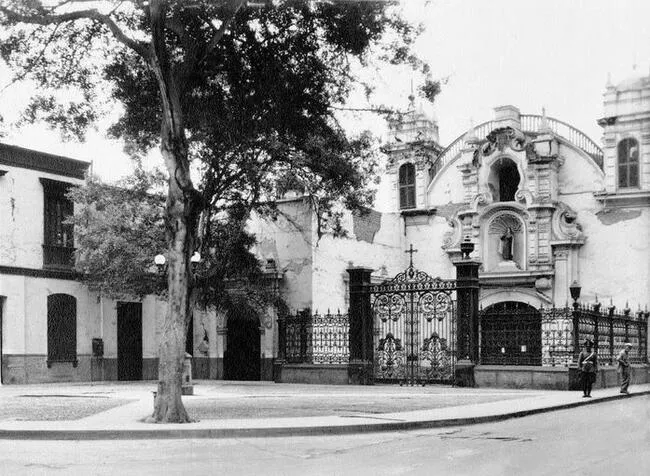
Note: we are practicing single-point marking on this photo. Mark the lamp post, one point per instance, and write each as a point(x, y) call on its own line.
point(575, 289)
point(160, 261)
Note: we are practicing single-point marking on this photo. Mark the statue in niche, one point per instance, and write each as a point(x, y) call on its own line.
point(506, 245)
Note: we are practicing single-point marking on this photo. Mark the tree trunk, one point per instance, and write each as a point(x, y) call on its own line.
point(168, 404)
point(181, 219)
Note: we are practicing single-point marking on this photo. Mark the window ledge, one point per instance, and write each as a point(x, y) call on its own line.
point(74, 362)
point(413, 212)
point(625, 198)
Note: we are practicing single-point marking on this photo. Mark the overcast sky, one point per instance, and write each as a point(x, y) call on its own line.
point(530, 53)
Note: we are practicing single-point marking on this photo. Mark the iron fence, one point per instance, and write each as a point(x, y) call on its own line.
point(557, 336)
point(609, 331)
point(308, 338)
point(511, 335)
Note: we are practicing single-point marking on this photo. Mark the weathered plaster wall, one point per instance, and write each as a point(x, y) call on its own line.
point(426, 233)
point(333, 256)
point(447, 186)
point(614, 262)
point(288, 240)
point(21, 215)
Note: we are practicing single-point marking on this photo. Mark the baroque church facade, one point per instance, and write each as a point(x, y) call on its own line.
point(545, 207)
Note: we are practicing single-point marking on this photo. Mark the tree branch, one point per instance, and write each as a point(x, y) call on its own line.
point(90, 14)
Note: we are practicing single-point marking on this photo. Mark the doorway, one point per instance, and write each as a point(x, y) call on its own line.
point(511, 334)
point(2, 303)
point(242, 356)
point(129, 341)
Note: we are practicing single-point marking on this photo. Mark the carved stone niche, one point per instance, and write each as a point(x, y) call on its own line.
point(504, 243)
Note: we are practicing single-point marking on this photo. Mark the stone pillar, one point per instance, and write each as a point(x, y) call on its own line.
point(361, 326)
point(467, 316)
point(282, 348)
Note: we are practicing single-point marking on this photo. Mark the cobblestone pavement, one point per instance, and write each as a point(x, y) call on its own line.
point(224, 400)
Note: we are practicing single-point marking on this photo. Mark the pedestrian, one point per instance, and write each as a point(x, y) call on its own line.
point(588, 363)
point(624, 367)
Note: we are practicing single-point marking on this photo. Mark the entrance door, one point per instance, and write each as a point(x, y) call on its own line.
point(129, 341)
point(511, 334)
point(242, 356)
point(2, 302)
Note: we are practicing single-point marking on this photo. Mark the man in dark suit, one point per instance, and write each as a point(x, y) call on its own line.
point(624, 367)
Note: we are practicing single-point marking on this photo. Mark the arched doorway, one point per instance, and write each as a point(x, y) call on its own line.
point(242, 355)
point(511, 334)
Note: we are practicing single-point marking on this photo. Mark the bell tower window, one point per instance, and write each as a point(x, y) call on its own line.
point(628, 163)
point(504, 180)
point(407, 186)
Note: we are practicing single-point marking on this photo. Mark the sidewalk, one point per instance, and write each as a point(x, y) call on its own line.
point(229, 409)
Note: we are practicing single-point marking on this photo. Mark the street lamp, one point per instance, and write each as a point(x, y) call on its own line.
point(160, 261)
point(466, 247)
point(575, 289)
point(575, 295)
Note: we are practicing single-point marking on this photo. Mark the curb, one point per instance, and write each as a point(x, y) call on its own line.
point(220, 433)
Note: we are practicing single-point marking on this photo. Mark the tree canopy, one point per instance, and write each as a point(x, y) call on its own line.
point(239, 98)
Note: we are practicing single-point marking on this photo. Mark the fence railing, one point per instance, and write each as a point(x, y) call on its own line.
point(315, 338)
point(609, 331)
point(564, 331)
point(557, 337)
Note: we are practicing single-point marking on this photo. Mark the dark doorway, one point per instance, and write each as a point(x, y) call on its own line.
point(2, 302)
point(511, 334)
point(129, 341)
point(242, 356)
point(508, 180)
point(189, 337)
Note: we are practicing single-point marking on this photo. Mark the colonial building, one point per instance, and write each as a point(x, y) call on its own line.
point(546, 209)
point(547, 230)
point(52, 328)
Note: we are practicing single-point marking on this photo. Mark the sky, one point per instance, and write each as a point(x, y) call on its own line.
point(534, 54)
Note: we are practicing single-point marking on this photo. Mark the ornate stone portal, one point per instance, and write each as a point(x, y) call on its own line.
point(525, 237)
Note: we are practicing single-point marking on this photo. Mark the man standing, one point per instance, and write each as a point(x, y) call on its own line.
point(624, 367)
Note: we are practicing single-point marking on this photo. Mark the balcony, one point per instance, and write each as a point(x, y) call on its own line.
point(58, 257)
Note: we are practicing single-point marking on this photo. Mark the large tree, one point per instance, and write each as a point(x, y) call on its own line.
point(239, 95)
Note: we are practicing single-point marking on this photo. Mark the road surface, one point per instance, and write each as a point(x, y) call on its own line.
point(603, 439)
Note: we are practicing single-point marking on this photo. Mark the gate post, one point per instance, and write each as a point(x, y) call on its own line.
point(360, 368)
point(467, 321)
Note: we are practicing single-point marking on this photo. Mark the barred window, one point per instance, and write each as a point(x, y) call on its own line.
point(61, 328)
point(407, 186)
point(58, 239)
point(628, 163)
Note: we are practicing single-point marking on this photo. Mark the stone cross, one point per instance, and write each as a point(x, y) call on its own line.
point(411, 251)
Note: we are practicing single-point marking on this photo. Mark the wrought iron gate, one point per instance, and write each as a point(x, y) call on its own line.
point(415, 328)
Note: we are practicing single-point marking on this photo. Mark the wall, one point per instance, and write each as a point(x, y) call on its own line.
point(25, 320)
point(617, 244)
point(21, 215)
point(288, 240)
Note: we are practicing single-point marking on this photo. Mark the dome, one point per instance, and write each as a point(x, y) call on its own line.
point(634, 82)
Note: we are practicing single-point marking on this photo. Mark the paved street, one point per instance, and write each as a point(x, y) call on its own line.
point(602, 439)
point(229, 400)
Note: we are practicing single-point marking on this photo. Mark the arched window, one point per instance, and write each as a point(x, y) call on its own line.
point(504, 180)
point(407, 186)
point(628, 163)
point(61, 328)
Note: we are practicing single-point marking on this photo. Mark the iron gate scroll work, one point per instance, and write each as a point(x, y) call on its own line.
point(414, 328)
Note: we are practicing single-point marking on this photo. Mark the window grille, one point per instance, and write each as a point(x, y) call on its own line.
point(407, 186)
point(628, 163)
point(58, 236)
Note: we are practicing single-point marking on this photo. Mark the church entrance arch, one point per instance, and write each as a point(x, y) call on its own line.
point(511, 334)
point(242, 354)
point(415, 328)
